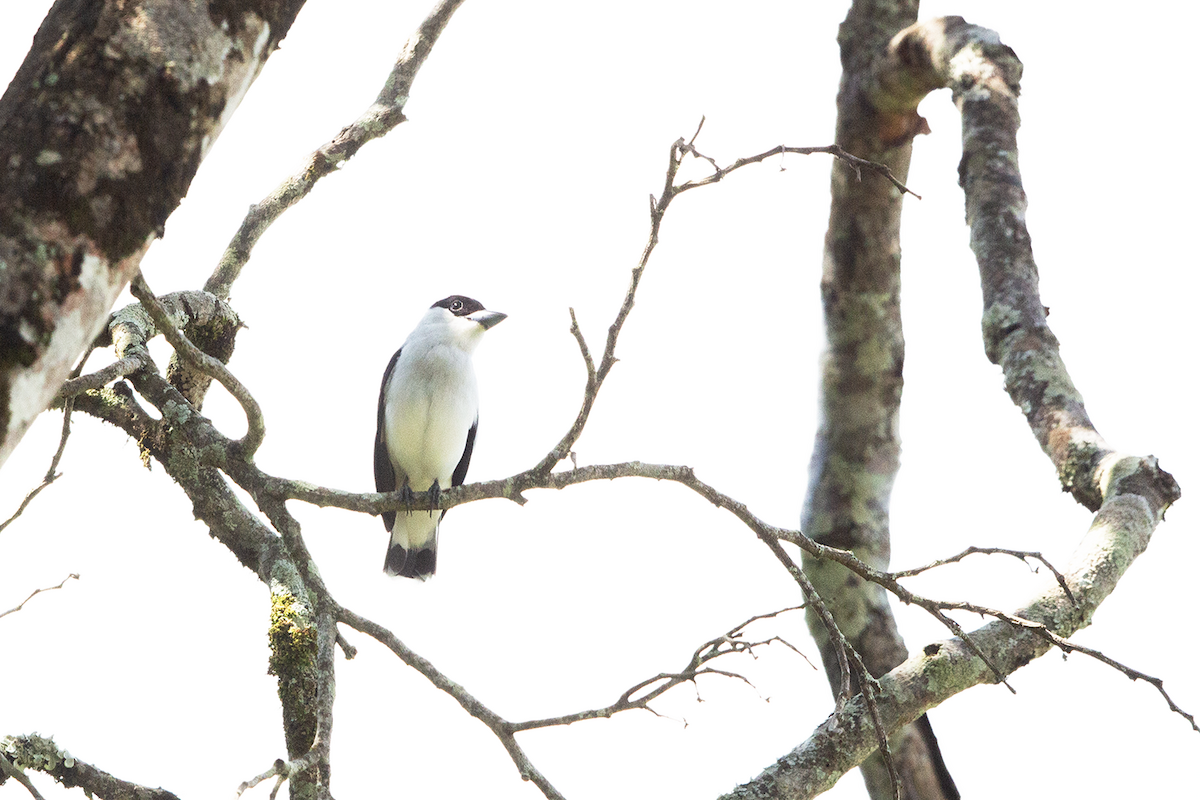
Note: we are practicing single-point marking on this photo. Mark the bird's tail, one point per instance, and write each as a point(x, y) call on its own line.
point(412, 550)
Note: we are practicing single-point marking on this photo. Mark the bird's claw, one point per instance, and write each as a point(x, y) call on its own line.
point(406, 496)
point(435, 496)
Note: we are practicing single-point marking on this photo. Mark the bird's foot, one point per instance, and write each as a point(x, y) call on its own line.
point(435, 496)
point(406, 496)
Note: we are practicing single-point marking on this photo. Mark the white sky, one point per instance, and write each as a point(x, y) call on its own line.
point(537, 131)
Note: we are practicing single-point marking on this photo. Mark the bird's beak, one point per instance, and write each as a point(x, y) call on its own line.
point(488, 318)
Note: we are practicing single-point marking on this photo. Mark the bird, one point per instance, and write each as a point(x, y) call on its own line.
point(427, 420)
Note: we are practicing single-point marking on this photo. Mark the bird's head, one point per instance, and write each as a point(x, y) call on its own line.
point(465, 318)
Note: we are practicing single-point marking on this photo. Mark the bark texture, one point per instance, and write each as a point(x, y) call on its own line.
point(101, 132)
point(857, 449)
point(1129, 493)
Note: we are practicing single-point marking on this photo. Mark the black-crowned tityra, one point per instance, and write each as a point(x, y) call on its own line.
point(428, 415)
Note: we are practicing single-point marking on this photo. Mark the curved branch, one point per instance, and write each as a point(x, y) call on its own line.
point(255, 425)
point(984, 75)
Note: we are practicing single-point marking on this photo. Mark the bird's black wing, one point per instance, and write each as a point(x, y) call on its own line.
point(385, 476)
point(460, 472)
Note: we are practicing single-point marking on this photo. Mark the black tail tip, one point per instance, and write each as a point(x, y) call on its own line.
point(418, 564)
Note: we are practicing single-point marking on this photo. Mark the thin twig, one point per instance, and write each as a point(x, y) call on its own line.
point(1132, 674)
point(1023, 555)
point(1069, 647)
point(841, 644)
point(856, 163)
point(658, 208)
point(36, 592)
point(730, 642)
point(51, 474)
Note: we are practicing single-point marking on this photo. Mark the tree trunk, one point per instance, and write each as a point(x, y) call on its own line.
point(857, 449)
point(101, 132)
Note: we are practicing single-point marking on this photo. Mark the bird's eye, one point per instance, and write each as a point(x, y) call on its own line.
point(456, 305)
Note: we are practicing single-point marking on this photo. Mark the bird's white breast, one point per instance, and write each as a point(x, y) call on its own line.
point(432, 402)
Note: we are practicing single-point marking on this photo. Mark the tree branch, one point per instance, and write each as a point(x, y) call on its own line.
point(44, 755)
point(1131, 493)
point(100, 135)
point(385, 113)
point(36, 592)
point(1120, 532)
point(983, 75)
point(51, 474)
point(470, 704)
point(1023, 555)
point(196, 455)
point(10, 770)
point(255, 426)
point(730, 642)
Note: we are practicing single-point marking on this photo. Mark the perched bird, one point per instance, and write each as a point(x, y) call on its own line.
point(428, 415)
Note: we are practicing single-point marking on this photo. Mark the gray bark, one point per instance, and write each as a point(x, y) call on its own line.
point(101, 132)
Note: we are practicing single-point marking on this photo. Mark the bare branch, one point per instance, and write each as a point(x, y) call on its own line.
point(1023, 555)
point(731, 642)
point(384, 114)
point(44, 755)
point(849, 660)
point(104, 376)
point(1120, 532)
point(583, 350)
point(281, 769)
point(270, 493)
point(73, 245)
point(1132, 674)
point(1069, 647)
point(498, 726)
point(512, 488)
point(51, 474)
point(835, 150)
point(658, 208)
point(10, 769)
point(813, 600)
point(255, 426)
point(36, 592)
point(984, 75)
